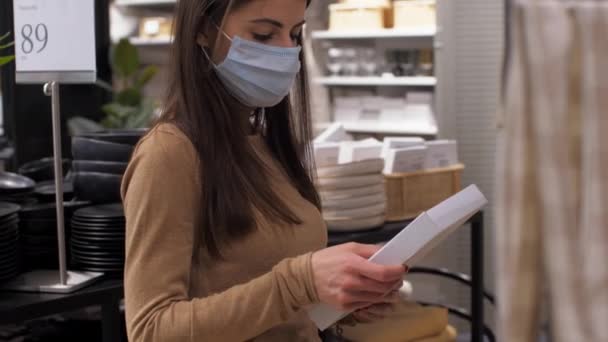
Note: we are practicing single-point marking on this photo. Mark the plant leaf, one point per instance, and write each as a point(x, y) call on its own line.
point(4, 36)
point(146, 75)
point(129, 97)
point(7, 45)
point(6, 59)
point(125, 59)
point(117, 110)
point(143, 117)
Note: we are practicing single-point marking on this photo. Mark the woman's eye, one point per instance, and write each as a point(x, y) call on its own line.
point(262, 37)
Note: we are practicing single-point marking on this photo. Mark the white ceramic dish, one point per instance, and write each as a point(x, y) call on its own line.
point(354, 202)
point(365, 167)
point(355, 224)
point(370, 190)
point(351, 214)
point(349, 182)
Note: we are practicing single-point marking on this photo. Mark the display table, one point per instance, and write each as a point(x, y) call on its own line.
point(17, 307)
point(389, 230)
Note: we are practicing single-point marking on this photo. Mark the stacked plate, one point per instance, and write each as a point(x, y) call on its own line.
point(9, 241)
point(353, 195)
point(16, 189)
point(38, 229)
point(100, 160)
point(98, 238)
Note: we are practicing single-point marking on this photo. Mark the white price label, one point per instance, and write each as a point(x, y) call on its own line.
point(55, 41)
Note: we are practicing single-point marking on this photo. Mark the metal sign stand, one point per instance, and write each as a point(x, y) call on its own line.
point(52, 281)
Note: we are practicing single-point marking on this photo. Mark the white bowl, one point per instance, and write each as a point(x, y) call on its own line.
point(349, 182)
point(364, 191)
point(353, 202)
point(364, 167)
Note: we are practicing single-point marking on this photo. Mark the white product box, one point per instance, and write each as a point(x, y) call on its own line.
point(354, 151)
point(411, 244)
point(326, 154)
point(441, 153)
point(334, 133)
point(409, 159)
point(400, 142)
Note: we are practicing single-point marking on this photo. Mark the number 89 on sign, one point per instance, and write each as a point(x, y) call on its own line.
point(41, 35)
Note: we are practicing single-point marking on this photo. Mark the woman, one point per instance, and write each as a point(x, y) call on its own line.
point(224, 234)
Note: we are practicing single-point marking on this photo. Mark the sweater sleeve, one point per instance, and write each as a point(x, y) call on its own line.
point(161, 193)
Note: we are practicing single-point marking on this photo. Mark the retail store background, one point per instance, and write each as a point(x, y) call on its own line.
point(469, 65)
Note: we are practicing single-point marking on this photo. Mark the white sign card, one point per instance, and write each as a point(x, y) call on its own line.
point(55, 41)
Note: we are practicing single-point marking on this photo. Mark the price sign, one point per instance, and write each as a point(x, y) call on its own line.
point(55, 41)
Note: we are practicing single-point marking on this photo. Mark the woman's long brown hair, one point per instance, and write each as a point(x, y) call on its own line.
point(234, 180)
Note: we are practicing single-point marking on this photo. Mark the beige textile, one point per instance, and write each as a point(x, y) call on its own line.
point(552, 223)
point(410, 322)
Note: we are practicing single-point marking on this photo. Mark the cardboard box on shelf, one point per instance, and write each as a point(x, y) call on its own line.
point(334, 133)
point(441, 153)
point(414, 13)
point(354, 151)
point(408, 159)
point(326, 154)
point(358, 16)
point(400, 142)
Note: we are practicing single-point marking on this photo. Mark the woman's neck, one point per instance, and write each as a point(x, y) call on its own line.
point(244, 113)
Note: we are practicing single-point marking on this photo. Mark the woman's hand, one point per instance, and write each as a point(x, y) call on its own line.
point(346, 280)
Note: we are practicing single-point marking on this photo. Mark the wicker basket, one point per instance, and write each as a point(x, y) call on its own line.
point(409, 194)
point(358, 16)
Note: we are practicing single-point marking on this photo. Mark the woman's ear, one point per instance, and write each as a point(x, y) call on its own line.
point(202, 40)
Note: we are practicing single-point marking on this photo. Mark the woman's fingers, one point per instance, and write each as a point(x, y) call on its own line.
point(361, 283)
point(380, 273)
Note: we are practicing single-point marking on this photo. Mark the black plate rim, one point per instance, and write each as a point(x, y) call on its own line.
point(96, 245)
point(8, 209)
point(83, 213)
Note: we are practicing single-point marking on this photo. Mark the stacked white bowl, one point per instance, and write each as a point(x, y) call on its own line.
point(353, 195)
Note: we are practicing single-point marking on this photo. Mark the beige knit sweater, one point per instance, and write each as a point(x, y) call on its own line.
point(175, 292)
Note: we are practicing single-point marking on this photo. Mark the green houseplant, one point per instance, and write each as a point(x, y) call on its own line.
point(4, 45)
point(129, 108)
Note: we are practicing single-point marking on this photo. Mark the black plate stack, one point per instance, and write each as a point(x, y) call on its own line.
point(16, 189)
point(9, 241)
point(100, 160)
point(98, 239)
point(38, 229)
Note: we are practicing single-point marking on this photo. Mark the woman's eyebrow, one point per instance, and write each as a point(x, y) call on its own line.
point(274, 22)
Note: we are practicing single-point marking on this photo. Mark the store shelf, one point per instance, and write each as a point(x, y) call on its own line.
point(400, 128)
point(427, 32)
point(138, 41)
point(145, 3)
point(417, 81)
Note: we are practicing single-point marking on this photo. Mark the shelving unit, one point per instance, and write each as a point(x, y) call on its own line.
point(138, 41)
point(423, 37)
point(428, 32)
point(379, 81)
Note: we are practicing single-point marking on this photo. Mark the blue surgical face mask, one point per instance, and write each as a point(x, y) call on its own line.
point(256, 74)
